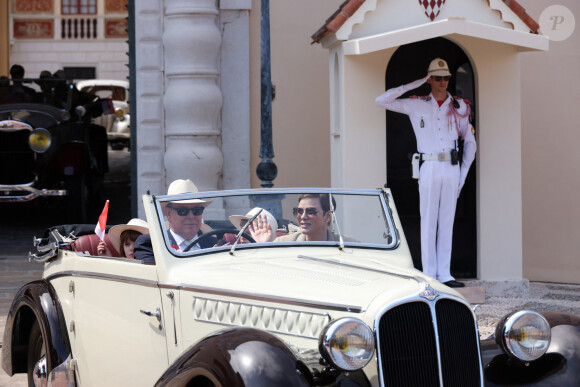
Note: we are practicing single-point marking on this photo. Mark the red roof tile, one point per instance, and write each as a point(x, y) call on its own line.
point(349, 7)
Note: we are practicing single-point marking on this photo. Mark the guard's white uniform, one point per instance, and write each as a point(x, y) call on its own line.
point(440, 182)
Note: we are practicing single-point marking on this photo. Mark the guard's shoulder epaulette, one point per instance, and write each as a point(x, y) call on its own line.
point(462, 99)
point(423, 97)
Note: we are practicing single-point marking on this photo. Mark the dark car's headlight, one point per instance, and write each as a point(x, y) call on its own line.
point(39, 140)
point(524, 335)
point(347, 344)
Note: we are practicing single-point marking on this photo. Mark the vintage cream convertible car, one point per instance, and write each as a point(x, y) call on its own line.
point(350, 312)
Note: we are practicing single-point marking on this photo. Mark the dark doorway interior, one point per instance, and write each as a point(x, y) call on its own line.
point(409, 63)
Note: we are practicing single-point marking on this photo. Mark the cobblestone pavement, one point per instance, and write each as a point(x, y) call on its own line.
point(542, 297)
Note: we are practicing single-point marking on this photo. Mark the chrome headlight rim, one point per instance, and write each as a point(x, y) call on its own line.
point(42, 133)
point(339, 329)
point(508, 333)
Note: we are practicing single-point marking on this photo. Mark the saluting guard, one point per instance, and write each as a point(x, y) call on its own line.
point(440, 121)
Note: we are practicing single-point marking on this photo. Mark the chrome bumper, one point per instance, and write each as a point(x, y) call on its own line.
point(7, 193)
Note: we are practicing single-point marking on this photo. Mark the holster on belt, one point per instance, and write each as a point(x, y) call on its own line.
point(415, 163)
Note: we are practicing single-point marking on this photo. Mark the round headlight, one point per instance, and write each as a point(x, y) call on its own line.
point(119, 113)
point(524, 335)
point(39, 140)
point(347, 344)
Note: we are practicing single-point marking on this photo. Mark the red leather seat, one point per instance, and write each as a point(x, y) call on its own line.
point(89, 243)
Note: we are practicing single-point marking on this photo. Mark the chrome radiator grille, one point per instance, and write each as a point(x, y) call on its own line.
point(409, 352)
point(16, 158)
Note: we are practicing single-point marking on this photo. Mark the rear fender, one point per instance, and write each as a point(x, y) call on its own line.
point(238, 357)
point(36, 300)
point(560, 366)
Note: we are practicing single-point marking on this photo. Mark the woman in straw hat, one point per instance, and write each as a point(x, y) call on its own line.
point(265, 219)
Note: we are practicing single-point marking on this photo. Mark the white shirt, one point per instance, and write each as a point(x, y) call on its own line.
point(183, 243)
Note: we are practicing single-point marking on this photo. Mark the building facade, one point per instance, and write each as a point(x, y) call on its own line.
point(197, 109)
point(86, 39)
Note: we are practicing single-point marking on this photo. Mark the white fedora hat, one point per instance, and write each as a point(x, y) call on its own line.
point(237, 219)
point(116, 231)
point(181, 186)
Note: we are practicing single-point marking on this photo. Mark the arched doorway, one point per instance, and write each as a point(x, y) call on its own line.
point(407, 64)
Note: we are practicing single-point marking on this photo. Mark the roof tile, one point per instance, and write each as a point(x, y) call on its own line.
point(349, 7)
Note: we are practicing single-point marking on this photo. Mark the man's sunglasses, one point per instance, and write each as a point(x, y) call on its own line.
point(183, 211)
point(438, 78)
point(311, 211)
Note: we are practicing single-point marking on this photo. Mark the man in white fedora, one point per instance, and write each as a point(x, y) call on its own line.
point(185, 223)
point(439, 121)
point(185, 217)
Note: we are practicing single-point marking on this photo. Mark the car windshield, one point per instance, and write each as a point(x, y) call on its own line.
point(117, 93)
point(198, 223)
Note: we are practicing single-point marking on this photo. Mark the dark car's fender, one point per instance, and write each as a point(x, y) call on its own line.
point(38, 301)
point(237, 357)
point(560, 366)
point(249, 357)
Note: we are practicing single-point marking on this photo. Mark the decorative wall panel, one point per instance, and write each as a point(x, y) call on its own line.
point(115, 6)
point(33, 29)
point(32, 6)
point(116, 28)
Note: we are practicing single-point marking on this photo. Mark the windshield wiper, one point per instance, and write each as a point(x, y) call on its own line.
point(244, 229)
point(341, 241)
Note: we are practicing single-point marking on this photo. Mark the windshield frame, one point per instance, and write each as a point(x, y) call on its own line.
point(384, 196)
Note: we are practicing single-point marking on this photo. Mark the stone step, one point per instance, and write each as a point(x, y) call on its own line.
point(473, 295)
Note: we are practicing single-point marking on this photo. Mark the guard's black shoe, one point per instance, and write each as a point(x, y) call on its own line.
point(454, 284)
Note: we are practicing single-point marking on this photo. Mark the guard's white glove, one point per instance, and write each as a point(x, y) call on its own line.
point(417, 83)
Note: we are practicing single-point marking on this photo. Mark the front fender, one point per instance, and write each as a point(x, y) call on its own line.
point(238, 357)
point(560, 366)
point(36, 300)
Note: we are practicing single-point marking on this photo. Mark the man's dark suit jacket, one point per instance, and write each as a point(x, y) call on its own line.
point(143, 250)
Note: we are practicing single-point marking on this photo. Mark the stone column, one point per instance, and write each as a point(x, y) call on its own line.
point(193, 100)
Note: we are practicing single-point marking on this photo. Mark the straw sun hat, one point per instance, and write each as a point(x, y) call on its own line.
point(116, 231)
point(237, 219)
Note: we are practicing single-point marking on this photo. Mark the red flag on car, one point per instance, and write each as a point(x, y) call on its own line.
point(102, 223)
point(107, 106)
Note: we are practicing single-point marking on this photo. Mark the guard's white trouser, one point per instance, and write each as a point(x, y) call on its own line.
point(438, 186)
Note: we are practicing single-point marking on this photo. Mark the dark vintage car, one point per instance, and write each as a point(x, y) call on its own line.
point(51, 151)
point(348, 311)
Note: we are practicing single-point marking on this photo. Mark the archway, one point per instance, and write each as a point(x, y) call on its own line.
point(407, 64)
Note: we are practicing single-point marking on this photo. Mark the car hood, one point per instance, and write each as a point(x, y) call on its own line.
point(320, 277)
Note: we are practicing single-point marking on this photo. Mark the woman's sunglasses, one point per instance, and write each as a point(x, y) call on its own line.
point(311, 211)
point(183, 211)
point(438, 78)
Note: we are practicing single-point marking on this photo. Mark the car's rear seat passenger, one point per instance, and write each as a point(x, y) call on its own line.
point(88, 244)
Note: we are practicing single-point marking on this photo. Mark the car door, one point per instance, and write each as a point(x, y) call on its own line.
point(115, 334)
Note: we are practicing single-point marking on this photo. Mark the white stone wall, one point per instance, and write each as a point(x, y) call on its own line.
point(107, 56)
point(192, 86)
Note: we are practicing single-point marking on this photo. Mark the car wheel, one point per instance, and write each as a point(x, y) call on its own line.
point(117, 146)
point(36, 350)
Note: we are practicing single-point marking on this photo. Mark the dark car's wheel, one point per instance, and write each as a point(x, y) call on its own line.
point(36, 350)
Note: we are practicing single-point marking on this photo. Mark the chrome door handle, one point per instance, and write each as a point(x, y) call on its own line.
point(156, 314)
